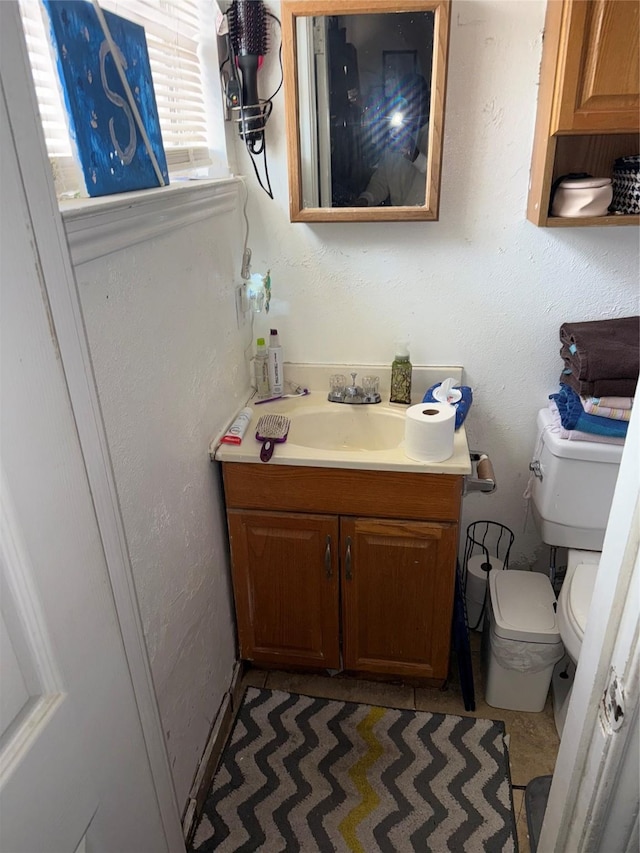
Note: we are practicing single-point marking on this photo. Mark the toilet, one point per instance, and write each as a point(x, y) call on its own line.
point(572, 609)
point(530, 640)
point(571, 489)
point(575, 599)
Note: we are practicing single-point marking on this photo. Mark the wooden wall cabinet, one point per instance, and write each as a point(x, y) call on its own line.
point(371, 594)
point(588, 102)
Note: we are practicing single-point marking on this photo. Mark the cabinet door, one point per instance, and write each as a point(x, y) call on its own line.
point(598, 86)
point(285, 582)
point(397, 599)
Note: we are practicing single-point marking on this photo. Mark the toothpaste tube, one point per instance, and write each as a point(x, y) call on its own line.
point(238, 428)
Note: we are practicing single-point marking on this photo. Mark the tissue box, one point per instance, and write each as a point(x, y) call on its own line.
point(461, 399)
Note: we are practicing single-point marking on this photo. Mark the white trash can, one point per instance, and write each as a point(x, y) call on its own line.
point(521, 642)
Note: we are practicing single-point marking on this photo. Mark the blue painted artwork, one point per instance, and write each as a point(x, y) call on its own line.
point(111, 148)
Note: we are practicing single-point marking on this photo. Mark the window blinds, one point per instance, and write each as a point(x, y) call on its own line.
point(172, 30)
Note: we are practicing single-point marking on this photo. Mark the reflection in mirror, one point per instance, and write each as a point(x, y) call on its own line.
point(368, 87)
point(373, 111)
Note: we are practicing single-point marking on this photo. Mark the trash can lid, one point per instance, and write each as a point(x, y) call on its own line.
point(523, 607)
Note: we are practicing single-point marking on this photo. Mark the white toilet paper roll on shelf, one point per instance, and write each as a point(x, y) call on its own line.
point(428, 432)
point(476, 580)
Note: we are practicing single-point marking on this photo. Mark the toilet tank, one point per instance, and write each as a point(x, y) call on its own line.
point(573, 487)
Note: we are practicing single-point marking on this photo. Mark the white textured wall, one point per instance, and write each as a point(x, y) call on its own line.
point(482, 287)
point(170, 372)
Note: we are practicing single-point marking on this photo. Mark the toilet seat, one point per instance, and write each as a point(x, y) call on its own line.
point(573, 607)
point(580, 595)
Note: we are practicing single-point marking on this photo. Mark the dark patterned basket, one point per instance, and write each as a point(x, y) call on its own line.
point(626, 185)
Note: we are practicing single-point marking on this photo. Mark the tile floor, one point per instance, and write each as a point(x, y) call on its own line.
point(533, 741)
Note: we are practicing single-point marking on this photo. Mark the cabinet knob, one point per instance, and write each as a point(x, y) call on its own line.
point(327, 558)
point(347, 560)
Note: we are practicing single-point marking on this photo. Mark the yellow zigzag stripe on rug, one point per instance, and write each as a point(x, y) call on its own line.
point(358, 774)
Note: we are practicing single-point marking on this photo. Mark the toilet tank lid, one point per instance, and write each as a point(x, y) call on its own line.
point(523, 607)
point(592, 451)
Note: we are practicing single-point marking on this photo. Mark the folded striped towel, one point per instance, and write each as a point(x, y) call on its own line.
point(614, 402)
point(573, 416)
point(593, 406)
point(575, 434)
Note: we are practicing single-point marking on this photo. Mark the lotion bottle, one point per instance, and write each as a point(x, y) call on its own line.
point(401, 375)
point(261, 366)
point(276, 366)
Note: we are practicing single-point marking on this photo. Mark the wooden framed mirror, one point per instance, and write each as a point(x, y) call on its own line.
point(365, 85)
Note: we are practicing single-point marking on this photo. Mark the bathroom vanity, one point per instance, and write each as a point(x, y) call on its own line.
point(343, 557)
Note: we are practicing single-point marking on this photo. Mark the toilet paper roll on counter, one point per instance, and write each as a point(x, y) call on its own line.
point(428, 432)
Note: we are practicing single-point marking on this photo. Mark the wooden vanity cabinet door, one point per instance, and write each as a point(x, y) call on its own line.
point(397, 596)
point(598, 82)
point(285, 583)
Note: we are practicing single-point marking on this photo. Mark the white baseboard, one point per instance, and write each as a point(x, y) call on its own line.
point(212, 752)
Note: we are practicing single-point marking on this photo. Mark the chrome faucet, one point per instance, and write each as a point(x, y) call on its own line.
point(354, 394)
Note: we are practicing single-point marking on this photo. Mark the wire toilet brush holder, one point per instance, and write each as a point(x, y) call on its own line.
point(487, 549)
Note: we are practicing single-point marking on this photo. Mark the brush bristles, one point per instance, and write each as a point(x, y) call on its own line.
point(272, 426)
point(248, 27)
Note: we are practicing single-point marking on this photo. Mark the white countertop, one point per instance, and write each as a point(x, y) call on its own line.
point(289, 453)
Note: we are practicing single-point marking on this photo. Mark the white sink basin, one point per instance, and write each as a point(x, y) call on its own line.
point(367, 437)
point(348, 428)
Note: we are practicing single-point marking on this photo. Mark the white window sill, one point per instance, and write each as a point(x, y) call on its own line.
point(99, 226)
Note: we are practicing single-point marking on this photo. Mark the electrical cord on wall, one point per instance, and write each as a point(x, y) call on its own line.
point(245, 270)
point(279, 86)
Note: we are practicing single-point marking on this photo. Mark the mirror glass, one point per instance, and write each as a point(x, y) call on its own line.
point(365, 135)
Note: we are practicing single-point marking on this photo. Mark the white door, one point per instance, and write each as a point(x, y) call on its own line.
point(74, 772)
point(593, 802)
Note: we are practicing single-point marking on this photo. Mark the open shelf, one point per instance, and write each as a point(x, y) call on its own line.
point(594, 154)
point(573, 222)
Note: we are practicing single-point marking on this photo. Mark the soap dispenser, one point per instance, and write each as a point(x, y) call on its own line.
point(401, 375)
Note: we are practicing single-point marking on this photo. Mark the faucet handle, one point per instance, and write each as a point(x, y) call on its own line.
point(337, 382)
point(370, 385)
point(353, 378)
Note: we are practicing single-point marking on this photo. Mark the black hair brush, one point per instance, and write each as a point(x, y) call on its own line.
point(248, 34)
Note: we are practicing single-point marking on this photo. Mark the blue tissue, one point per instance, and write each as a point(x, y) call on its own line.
point(462, 406)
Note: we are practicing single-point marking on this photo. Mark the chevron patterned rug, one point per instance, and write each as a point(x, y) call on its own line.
point(305, 774)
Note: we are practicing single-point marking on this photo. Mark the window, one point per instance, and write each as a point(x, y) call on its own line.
point(179, 33)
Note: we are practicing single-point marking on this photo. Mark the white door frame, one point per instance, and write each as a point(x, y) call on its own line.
point(64, 302)
point(587, 811)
